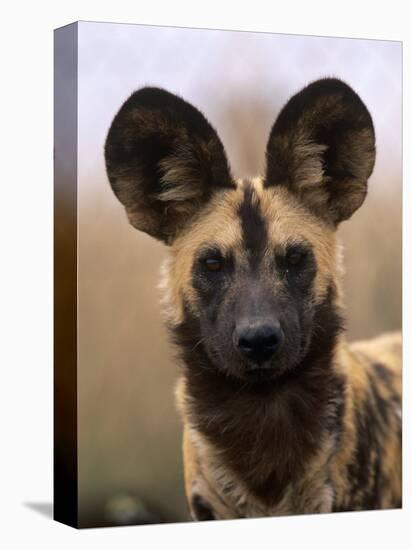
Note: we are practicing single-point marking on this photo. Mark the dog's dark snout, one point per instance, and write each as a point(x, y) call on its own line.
point(258, 340)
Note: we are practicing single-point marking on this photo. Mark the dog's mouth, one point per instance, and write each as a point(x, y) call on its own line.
point(271, 371)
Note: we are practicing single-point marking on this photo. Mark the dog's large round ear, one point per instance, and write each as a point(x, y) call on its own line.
point(164, 161)
point(322, 147)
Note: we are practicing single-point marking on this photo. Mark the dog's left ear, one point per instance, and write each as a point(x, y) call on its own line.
point(322, 148)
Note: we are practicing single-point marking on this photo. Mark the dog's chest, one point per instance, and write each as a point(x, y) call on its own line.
point(230, 498)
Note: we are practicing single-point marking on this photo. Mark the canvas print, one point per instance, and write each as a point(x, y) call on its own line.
point(228, 275)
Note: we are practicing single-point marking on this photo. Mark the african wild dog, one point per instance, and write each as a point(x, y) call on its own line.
point(281, 415)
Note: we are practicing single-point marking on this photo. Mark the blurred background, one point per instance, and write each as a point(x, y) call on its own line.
point(130, 467)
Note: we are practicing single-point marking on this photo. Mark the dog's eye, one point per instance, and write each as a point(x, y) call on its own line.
point(295, 258)
point(213, 264)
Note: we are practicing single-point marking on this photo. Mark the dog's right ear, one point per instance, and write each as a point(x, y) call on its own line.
point(164, 161)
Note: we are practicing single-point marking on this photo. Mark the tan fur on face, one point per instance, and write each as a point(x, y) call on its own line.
point(217, 223)
point(288, 223)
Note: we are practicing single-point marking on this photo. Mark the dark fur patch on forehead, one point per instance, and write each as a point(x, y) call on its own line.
point(254, 230)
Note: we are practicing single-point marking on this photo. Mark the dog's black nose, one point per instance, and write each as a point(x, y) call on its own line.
point(258, 340)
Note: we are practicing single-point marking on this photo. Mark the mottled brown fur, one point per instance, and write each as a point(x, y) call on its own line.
point(321, 431)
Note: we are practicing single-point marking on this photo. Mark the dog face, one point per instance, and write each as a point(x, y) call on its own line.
point(252, 262)
point(251, 276)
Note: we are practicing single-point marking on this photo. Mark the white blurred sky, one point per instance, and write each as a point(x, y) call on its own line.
point(236, 79)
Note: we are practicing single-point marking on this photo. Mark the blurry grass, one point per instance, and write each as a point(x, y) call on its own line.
point(373, 264)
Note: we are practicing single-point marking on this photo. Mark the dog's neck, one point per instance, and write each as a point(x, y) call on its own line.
point(266, 432)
